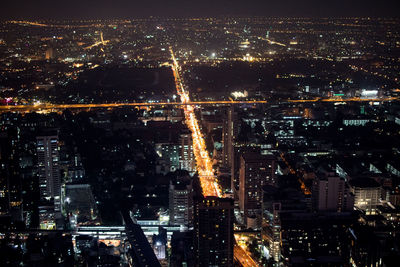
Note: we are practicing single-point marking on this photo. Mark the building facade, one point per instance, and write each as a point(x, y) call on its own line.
point(186, 155)
point(367, 193)
point(48, 169)
point(181, 202)
point(213, 228)
point(332, 194)
point(256, 170)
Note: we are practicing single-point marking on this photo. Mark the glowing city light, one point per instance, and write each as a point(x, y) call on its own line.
point(204, 166)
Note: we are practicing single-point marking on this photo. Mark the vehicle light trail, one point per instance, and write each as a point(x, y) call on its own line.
point(208, 181)
point(242, 255)
point(51, 106)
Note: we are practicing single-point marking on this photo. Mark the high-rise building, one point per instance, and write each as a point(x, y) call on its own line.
point(331, 193)
point(240, 148)
point(229, 131)
point(181, 201)
point(228, 136)
point(186, 155)
point(48, 169)
point(213, 227)
point(256, 170)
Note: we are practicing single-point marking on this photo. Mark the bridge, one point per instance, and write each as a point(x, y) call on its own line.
point(50, 106)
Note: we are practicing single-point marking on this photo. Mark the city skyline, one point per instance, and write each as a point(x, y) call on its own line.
point(199, 141)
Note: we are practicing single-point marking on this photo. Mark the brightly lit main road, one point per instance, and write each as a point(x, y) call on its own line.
point(51, 106)
point(54, 107)
point(208, 181)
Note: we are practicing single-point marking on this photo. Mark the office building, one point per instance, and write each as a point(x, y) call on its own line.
point(48, 170)
point(181, 201)
point(229, 133)
point(240, 148)
point(213, 227)
point(331, 193)
point(228, 136)
point(186, 155)
point(256, 170)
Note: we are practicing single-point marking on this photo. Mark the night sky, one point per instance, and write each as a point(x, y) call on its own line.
point(185, 8)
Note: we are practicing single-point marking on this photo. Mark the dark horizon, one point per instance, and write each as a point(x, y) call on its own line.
point(126, 9)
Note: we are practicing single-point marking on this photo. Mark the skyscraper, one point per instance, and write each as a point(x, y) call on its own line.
point(227, 136)
point(240, 148)
point(213, 227)
point(229, 132)
point(186, 156)
point(48, 169)
point(256, 170)
point(181, 201)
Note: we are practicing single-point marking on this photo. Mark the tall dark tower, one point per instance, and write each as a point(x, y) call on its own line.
point(213, 231)
point(256, 170)
point(49, 173)
point(229, 132)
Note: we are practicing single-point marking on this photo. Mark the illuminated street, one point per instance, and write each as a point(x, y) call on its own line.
point(185, 102)
point(49, 106)
point(243, 257)
point(209, 183)
point(241, 252)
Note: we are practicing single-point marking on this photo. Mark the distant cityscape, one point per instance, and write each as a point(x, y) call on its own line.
point(221, 141)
